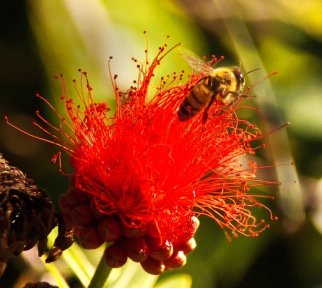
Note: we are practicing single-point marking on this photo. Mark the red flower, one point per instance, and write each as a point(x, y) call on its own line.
point(146, 174)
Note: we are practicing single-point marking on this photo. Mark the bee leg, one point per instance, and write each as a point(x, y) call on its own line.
point(205, 113)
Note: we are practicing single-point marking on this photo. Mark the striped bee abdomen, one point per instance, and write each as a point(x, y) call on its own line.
point(196, 100)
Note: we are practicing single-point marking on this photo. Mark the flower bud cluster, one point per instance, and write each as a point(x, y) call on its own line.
point(140, 244)
point(27, 216)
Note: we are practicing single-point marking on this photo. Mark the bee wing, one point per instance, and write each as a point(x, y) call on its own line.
point(196, 63)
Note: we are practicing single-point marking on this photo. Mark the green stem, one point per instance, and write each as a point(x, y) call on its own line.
point(101, 274)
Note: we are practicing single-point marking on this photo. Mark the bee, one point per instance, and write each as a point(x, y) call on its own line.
point(224, 84)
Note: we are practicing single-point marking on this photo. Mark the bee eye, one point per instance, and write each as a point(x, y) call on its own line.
point(241, 78)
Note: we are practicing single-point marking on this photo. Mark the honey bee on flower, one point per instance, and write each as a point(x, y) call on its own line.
point(223, 84)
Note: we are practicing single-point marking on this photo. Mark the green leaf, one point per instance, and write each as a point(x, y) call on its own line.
point(131, 275)
point(176, 281)
point(54, 271)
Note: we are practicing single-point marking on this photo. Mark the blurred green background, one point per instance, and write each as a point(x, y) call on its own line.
point(41, 38)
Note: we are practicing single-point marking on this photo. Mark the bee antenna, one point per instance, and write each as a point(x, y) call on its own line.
point(260, 80)
point(239, 66)
point(251, 71)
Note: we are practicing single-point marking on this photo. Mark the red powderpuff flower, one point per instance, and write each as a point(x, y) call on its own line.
point(141, 175)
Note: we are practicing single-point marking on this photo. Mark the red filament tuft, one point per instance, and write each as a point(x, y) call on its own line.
point(144, 175)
